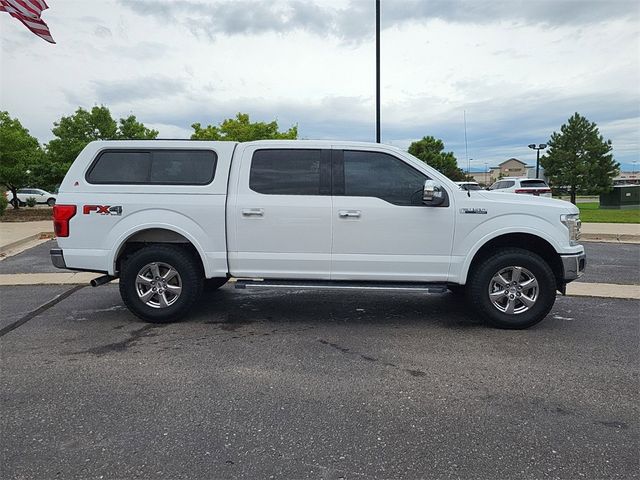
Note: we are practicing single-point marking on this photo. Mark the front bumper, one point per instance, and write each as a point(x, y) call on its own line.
point(573, 266)
point(57, 258)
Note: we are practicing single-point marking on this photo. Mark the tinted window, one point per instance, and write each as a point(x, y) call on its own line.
point(374, 174)
point(502, 184)
point(190, 167)
point(286, 172)
point(121, 167)
point(169, 167)
point(534, 183)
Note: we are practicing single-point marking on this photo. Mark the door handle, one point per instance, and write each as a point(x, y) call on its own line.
point(349, 213)
point(252, 212)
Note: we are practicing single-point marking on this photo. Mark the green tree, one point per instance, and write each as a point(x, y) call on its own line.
point(20, 155)
point(580, 158)
point(241, 129)
point(430, 151)
point(74, 132)
point(131, 129)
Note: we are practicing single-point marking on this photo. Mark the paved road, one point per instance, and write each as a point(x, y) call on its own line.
point(612, 263)
point(297, 384)
point(34, 260)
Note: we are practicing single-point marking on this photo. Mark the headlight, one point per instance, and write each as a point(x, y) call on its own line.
point(573, 223)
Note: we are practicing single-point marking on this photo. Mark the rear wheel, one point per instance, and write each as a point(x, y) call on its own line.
point(160, 283)
point(514, 288)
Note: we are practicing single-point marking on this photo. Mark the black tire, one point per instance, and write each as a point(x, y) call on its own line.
point(12, 202)
point(190, 274)
point(481, 277)
point(212, 284)
point(458, 290)
point(51, 202)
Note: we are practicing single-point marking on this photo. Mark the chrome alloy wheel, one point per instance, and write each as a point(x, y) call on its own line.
point(513, 290)
point(158, 285)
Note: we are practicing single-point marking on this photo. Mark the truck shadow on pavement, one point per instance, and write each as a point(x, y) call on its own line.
point(232, 308)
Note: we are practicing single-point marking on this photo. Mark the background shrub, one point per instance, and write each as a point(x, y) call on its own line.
point(3, 204)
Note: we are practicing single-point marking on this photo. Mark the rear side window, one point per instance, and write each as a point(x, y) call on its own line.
point(155, 167)
point(534, 184)
point(286, 172)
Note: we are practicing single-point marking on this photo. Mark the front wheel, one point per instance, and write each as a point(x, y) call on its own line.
point(51, 202)
point(513, 288)
point(160, 283)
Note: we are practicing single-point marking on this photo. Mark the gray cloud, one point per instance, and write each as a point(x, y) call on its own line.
point(144, 88)
point(102, 31)
point(497, 128)
point(353, 23)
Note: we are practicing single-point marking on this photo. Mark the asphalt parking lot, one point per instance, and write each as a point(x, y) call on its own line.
point(299, 384)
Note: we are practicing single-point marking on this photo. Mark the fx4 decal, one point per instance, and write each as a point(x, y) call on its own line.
point(102, 209)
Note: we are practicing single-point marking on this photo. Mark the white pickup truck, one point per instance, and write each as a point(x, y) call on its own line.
point(171, 217)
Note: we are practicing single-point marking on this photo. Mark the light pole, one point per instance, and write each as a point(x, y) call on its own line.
point(486, 174)
point(377, 71)
point(542, 146)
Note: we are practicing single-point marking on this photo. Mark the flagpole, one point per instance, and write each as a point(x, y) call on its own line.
point(377, 71)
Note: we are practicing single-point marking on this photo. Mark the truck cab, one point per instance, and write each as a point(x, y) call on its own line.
point(170, 218)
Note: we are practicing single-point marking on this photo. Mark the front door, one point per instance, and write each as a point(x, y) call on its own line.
point(381, 229)
point(280, 225)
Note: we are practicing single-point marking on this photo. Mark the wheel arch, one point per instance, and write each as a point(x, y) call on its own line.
point(526, 241)
point(146, 235)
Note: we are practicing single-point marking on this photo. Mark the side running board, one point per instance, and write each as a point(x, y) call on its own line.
point(339, 284)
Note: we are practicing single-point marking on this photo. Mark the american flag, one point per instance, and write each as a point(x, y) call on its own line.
point(28, 12)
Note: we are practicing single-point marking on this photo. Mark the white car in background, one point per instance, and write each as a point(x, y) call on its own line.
point(41, 196)
point(529, 186)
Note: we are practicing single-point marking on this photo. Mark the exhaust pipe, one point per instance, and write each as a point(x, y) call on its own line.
point(96, 282)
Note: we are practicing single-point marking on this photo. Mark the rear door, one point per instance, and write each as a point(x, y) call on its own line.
point(280, 216)
point(381, 229)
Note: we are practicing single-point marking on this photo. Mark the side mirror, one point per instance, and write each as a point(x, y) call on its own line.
point(433, 195)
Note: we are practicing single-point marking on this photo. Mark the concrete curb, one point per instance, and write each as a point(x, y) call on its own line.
point(610, 237)
point(62, 278)
point(18, 243)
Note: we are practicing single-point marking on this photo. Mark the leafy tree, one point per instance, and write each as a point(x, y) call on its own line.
point(19, 153)
point(241, 129)
point(580, 158)
point(74, 132)
point(430, 151)
point(131, 129)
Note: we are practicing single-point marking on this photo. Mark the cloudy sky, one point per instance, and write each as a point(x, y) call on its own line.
point(518, 68)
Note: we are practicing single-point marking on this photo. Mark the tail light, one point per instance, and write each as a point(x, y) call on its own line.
point(537, 191)
point(61, 216)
